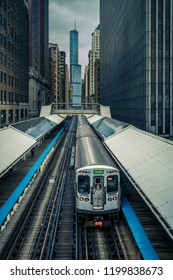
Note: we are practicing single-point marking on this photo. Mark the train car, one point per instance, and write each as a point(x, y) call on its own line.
point(98, 193)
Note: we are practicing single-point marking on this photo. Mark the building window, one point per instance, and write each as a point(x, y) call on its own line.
point(10, 115)
point(16, 115)
point(3, 116)
point(22, 113)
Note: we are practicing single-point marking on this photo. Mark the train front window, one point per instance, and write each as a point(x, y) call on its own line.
point(112, 183)
point(83, 184)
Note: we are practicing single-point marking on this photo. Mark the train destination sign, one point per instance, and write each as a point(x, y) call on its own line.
point(98, 171)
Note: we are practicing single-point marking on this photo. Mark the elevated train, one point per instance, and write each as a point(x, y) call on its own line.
point(97, 182)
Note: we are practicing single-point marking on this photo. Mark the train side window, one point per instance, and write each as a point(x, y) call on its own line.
point(83, 184)
point(112, 183)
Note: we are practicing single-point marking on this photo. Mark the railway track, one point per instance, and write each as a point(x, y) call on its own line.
point(36, 236)
point(22, 233)
point(101, 243)
point(64, 249)
point(49, 228)
point(160, 240)
point(46, 238)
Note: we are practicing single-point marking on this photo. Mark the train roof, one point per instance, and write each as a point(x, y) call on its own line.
point(93, 166)
point(91, 151)
point(84, 129)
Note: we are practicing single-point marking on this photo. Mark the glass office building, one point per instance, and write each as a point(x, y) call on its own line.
point(76, 82)
point(136, 62)
point(73, 49)
point(75, 68)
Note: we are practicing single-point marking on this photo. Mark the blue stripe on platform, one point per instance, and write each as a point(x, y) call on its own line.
point(13, 198)
point(142, 241)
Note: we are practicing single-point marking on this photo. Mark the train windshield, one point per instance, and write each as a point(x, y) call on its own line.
point(83, 184)
point(112, 183)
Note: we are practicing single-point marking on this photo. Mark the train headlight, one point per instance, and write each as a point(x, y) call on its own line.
point(87, 199)
point(112, 198)
point(81, 198)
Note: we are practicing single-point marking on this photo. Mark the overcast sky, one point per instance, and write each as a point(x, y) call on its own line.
point(62, 15)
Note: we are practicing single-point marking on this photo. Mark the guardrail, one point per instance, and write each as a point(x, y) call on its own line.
point(82, 108)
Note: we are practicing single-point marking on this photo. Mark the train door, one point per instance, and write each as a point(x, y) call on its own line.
point(98, 193)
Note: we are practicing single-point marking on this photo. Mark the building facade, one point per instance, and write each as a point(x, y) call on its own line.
point(86, 85)
point(73, 50)
point(14, 99)
point(51, 73)
point(97, 80)
point(93, 55)
point(44, 39)
point(67, 85)
point(55, 67)
point(136, 62)
point(62, 76)
point(39, 91)
point(75, 68)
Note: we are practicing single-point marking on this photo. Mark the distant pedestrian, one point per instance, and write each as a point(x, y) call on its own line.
point(32, 152)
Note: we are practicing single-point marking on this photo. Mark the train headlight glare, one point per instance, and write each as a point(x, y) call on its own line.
point(114, 198)
point(81, 198)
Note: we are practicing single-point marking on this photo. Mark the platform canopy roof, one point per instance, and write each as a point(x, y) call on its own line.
point(35, 128)
point(55, 118)
point(19, 138)
point(94, 118)
point(13, 145)
point(148, 161)
point(107, 127)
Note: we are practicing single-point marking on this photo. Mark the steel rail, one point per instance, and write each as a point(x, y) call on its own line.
point(18, 238)
point(53, 209)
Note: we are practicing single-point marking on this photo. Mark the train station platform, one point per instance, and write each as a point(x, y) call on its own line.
point(19, 139)
point(145, 247)
point(20, 145)
point(9, 183)
point(10, 204)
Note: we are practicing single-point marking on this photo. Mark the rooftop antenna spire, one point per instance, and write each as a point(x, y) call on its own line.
point(75, 24)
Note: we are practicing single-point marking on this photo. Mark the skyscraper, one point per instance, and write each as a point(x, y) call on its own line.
point(93, 55)
point(62, 76)
point(14, 100)
point(55, 83)
point(75, 68)
point(44, 39)
point(136, 62)
point(38, 55)
point(73, 50)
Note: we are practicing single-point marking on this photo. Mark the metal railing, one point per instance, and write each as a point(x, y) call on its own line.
point(69, 108)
